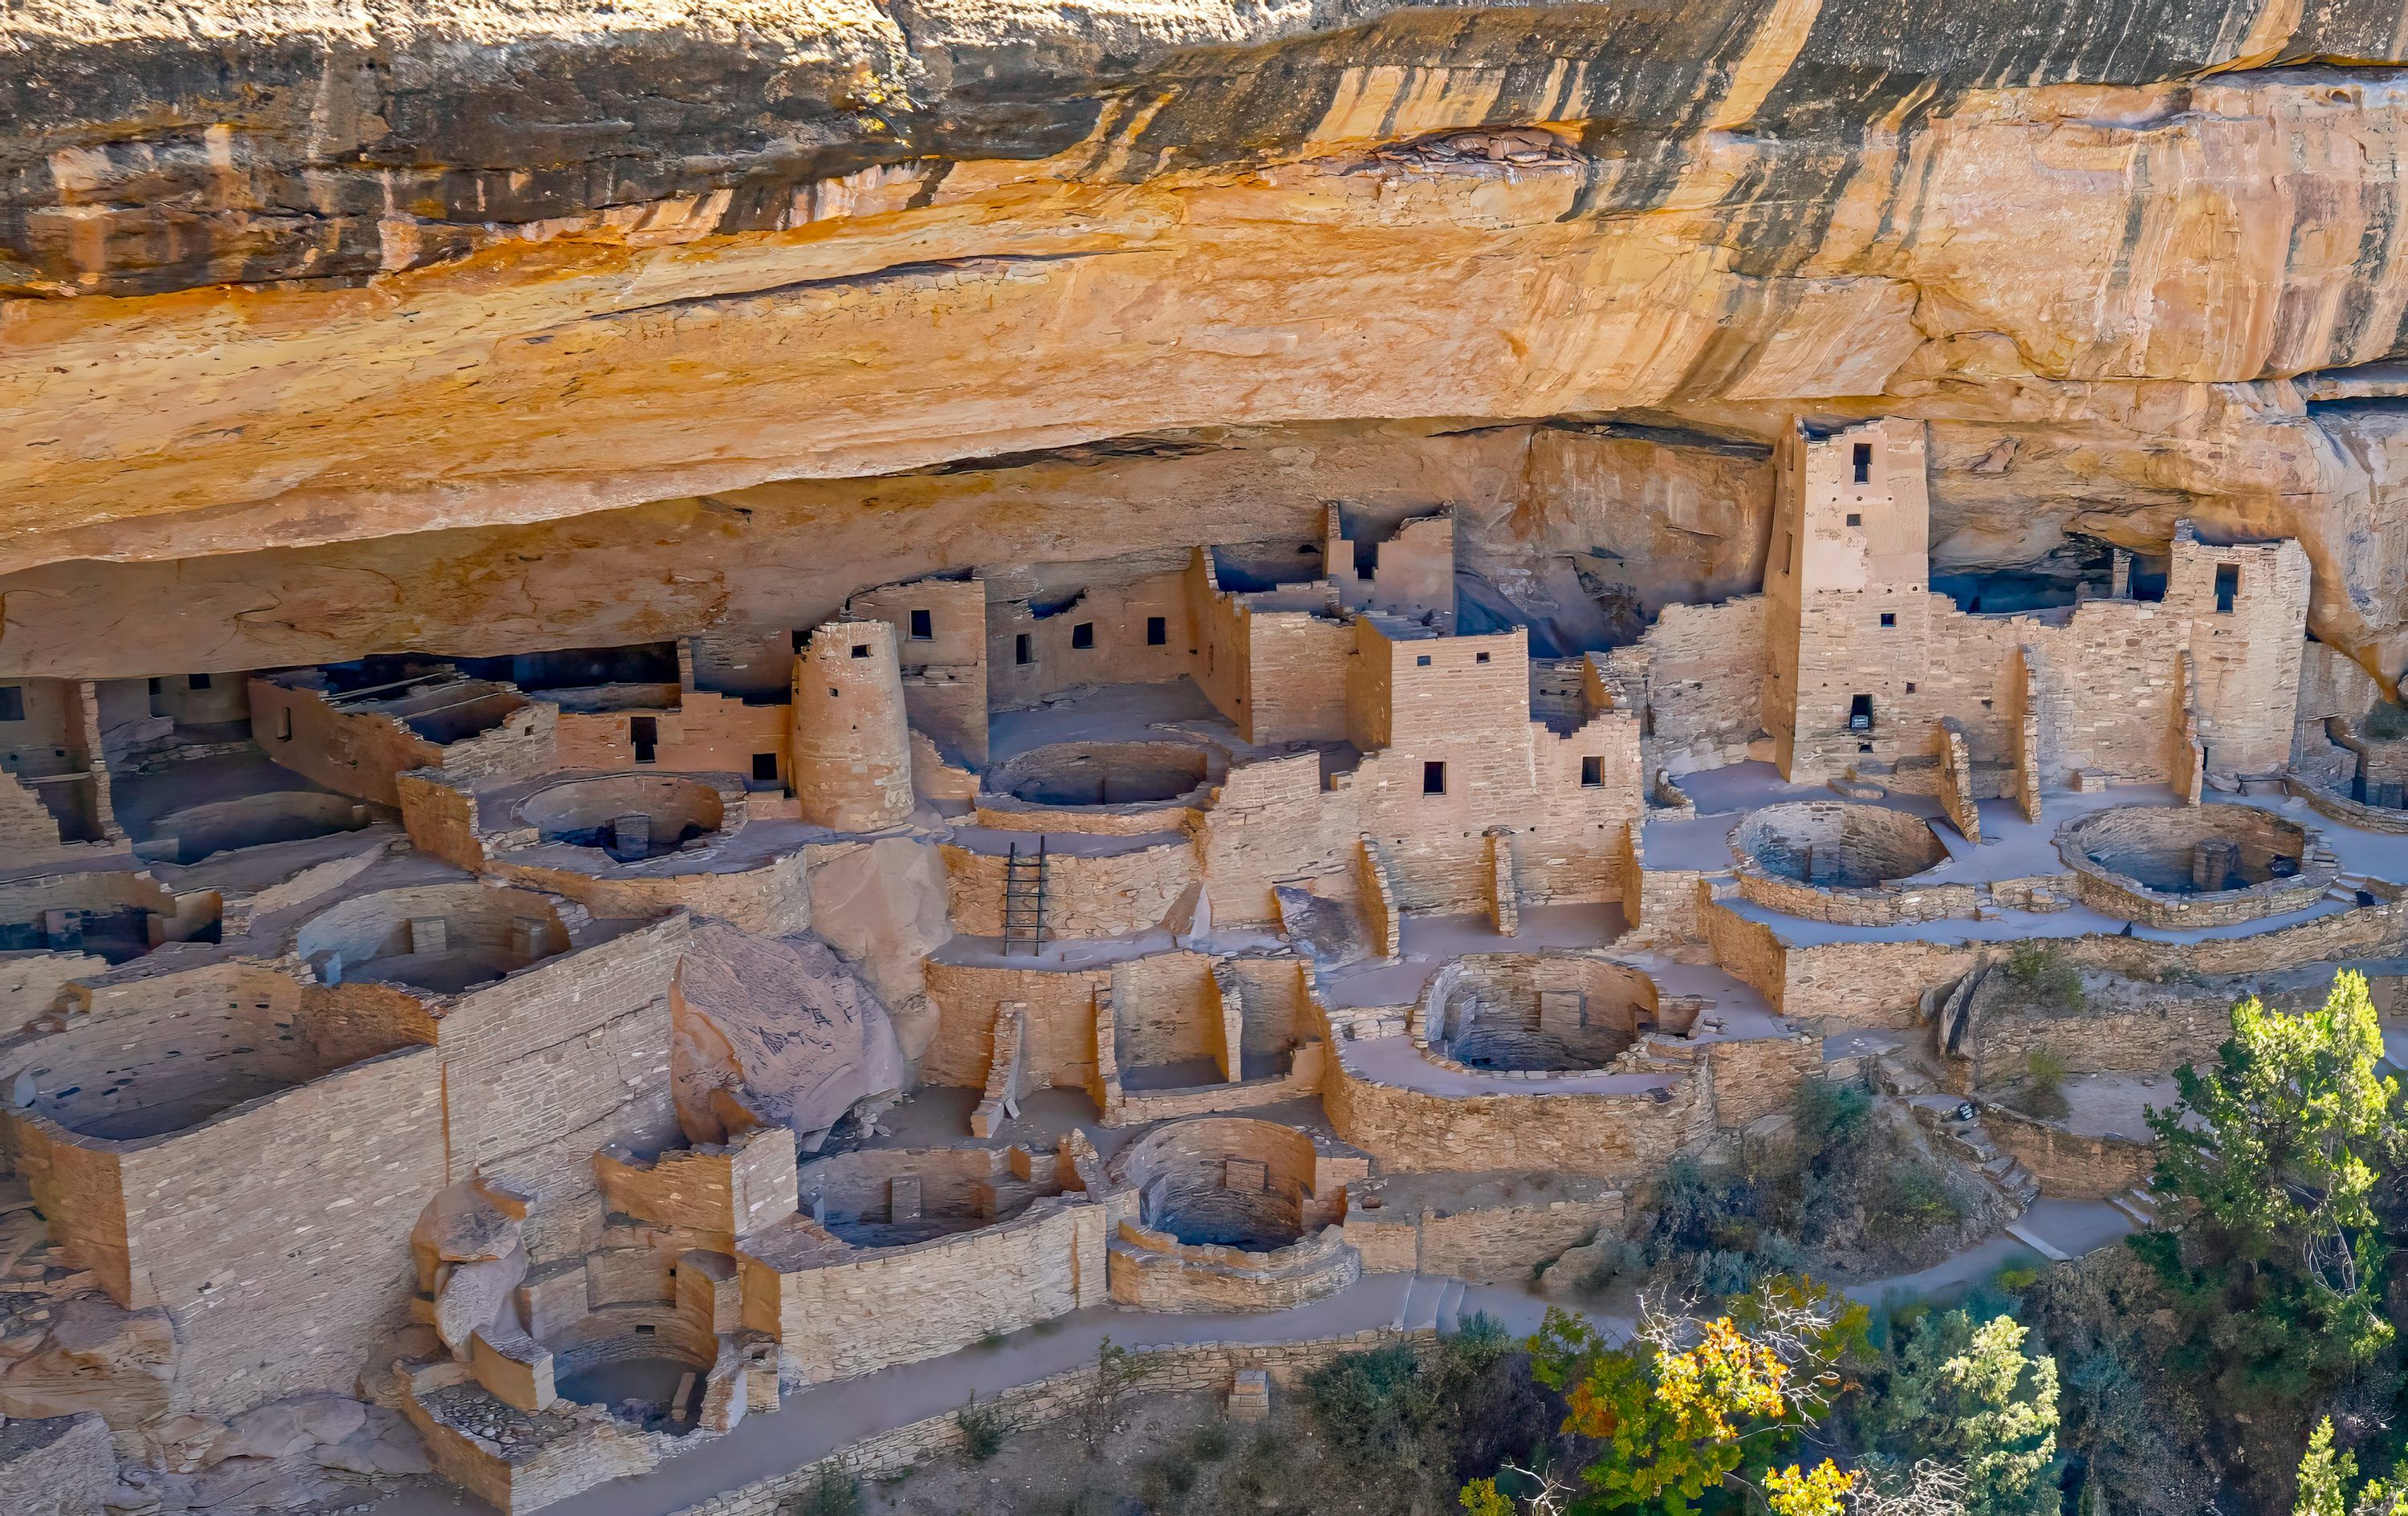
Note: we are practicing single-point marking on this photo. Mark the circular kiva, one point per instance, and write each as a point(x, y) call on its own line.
point(1081, 774)
point(1844, 862)
point(2194, 865)
point(629, 816)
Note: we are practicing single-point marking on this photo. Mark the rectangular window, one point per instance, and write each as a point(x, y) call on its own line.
point(1592, 773)
point(1889, 617)
point(861, 649)
point(284, 723)
point(1860, 713)
point(764, 768)
point(924, 627)
point(1422, 661)
point(1864, 462)
point(1856, 520)
point(1479, 657)
point(1157, 632)
point(1082, 635)
point(1433, 779)
point(12, 703)
point(2228, 586)
point(197, 682)
point(1022, 654)
point(644, 735)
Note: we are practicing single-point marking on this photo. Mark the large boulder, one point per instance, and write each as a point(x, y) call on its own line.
point(775, 1030)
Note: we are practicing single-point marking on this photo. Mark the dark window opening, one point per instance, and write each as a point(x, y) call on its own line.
point(801, 637)
point(1592, 773)
point(1860, 713)
point(1479, 657)
point(1889, 617)
point(197, 682)
point(12, 703)
point(924, 627)
point(861, 649)
point(1910, 686)
point(2228, 586)
point(644, 735)
point(1157, 632)
point(1082, 635)
point(284, 723)
point(1855, 519)
point(1433, 779)
point(1863, 454)
point(764, 768)
point(1422, 661)
point(1022, 654)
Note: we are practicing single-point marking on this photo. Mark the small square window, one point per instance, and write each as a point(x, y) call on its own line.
point(861, 649)
point(764, 766)
point(1422, 661)
point(924, 627)
point(197, 682)
point(1864, 747)
point(1889, 617)
point(1433, 779)
point(1157, 632)
point(1856, 520)
point(1910, 686)
point(1479, 657)
point(1022, 654)
point(12, 703)
point(1592, 773)
point(1083, 635)
point(835, 693)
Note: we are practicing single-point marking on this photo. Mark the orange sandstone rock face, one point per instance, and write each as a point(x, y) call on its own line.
point(521, 321)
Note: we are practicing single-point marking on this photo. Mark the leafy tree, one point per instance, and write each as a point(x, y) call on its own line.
point(1969, 1395)
point(2324, 1480)
point(1693, 1406)
point(2322, 1475)
point(2277, 1149)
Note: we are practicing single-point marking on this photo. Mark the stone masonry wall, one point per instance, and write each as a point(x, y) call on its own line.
point(552, 1063)
point(899, 1304)
point(2069, 1165)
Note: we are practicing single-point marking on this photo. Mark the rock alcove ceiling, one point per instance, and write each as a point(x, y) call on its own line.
point(470, 329)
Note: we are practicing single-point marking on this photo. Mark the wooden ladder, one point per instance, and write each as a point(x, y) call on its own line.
point(1024, 898)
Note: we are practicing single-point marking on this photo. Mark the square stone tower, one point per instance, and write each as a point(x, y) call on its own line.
point(1847, 595)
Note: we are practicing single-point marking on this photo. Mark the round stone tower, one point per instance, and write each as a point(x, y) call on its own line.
point(851, 747)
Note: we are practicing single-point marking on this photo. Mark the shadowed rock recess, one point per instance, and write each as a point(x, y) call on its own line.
point(701, 697)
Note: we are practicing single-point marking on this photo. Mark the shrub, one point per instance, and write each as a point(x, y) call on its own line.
point(835, 1492)
point(2044, 977)
point(982, 1430)
point(2041, 1090)
point(1910, 1201)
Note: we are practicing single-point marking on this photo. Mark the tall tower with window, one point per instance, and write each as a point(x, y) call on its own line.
point(1847, 598)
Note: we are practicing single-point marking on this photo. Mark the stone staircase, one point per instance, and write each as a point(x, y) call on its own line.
point(1432, 1304)
point(1960, 1129)
point(2139, 1204)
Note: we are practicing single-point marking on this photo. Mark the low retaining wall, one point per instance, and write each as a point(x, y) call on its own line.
point(1203, 1368)
point(2067, 1163)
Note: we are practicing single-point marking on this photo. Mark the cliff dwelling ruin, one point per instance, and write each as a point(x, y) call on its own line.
point(697, 711)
